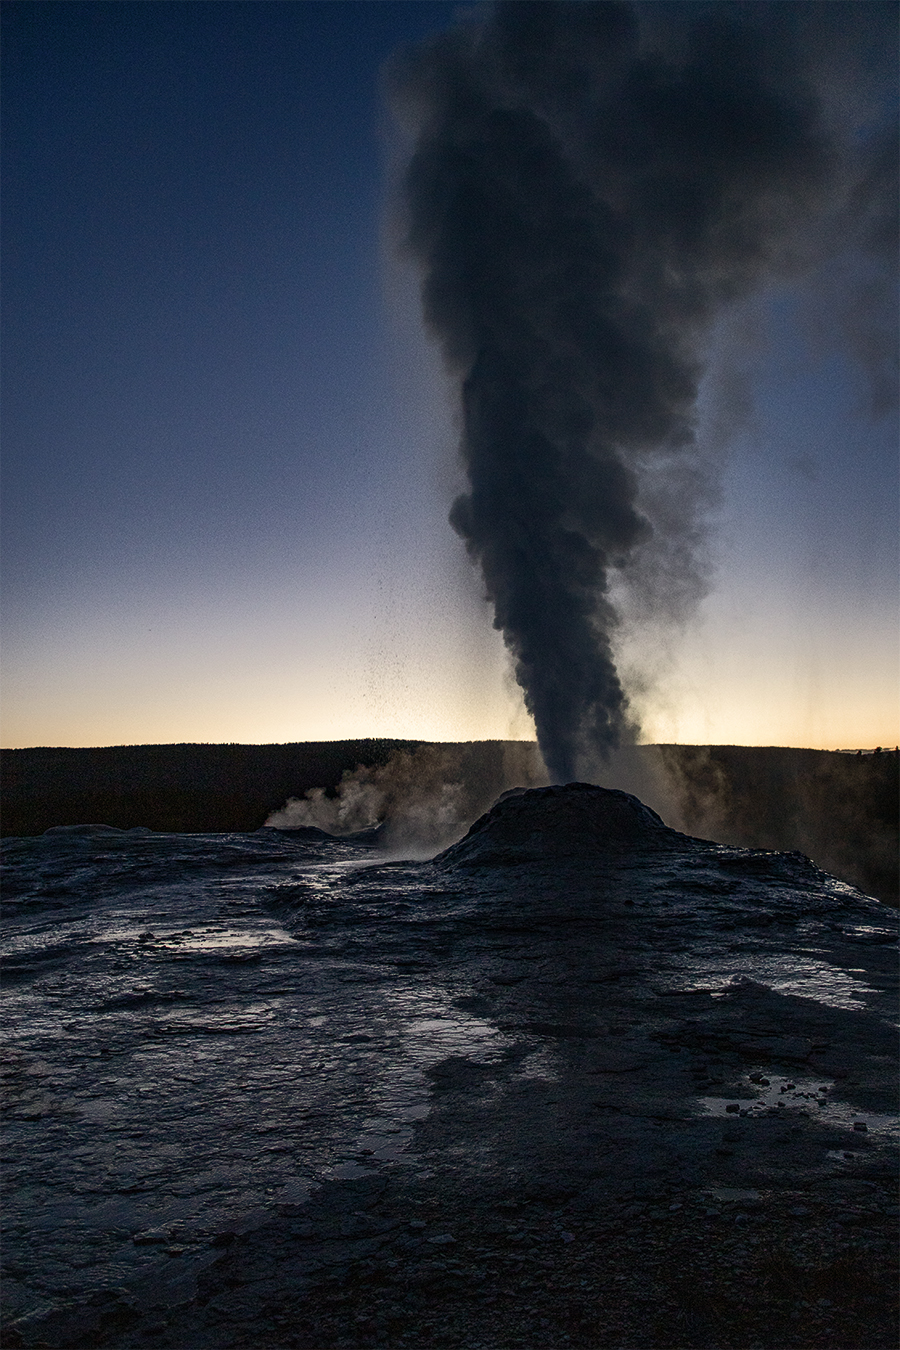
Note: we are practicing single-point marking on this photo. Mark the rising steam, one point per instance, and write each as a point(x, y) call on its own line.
point(592, 185)
point(422, 800)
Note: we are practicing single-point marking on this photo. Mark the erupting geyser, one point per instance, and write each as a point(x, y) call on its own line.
point(591, 185)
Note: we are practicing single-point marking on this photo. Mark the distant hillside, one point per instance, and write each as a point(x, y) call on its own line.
point(181, 788)
point(840, 809)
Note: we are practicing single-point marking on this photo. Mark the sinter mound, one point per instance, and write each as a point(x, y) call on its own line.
point(578, 820)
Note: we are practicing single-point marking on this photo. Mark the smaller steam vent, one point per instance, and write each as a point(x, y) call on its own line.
point(578, 820)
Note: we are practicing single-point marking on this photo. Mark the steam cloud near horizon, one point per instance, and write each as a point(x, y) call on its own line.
point(592, 186)
point(422, 799)
point(840, 809)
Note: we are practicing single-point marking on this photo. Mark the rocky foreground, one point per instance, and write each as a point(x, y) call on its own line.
point(685, 1141)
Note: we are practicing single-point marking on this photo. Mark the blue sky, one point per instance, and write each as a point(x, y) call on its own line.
point(229, 454)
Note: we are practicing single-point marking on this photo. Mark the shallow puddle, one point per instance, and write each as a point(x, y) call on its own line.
point(812, 1097)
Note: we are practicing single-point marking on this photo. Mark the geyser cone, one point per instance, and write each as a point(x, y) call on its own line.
point(575, 821)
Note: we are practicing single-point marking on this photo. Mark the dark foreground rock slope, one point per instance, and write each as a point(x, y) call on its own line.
point(673, 1125)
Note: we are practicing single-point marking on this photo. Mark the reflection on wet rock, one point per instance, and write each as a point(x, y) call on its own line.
point(211, 1038)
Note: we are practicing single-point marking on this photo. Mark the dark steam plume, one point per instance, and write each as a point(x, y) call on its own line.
point(591, 184)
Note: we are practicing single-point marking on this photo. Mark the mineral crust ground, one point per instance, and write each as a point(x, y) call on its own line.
point(578, 1082)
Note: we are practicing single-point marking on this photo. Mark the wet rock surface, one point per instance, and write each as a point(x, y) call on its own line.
point(272, 1091)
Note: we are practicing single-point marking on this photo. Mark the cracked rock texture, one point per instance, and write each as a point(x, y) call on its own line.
point(581, 1081)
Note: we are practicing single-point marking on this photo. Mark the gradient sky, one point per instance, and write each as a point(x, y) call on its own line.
point(229, 454)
